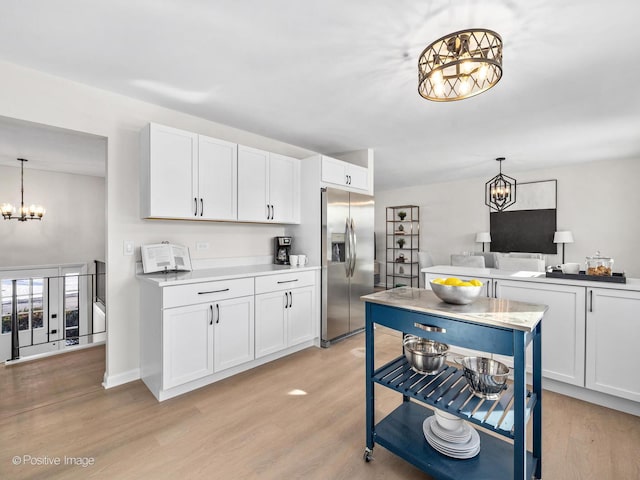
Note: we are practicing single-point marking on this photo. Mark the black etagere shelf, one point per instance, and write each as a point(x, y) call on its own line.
point(402, 246)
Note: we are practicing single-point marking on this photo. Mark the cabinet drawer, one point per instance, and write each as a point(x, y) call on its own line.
point(206, 292)
point(452, 332)
point(284, 281)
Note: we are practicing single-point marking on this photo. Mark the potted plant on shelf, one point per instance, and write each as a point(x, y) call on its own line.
point(400, 242)
point(402, 214)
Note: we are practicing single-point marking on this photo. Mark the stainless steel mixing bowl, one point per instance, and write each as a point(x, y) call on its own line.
point(425, 356)
point(456, 295)
point(486, 377)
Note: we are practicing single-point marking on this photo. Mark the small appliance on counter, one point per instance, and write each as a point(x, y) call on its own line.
point(282, 250)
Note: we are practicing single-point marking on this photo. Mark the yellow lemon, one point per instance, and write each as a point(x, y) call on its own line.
point(452, 281)
point(465, 284)
point(438, 280)
point(476, 283)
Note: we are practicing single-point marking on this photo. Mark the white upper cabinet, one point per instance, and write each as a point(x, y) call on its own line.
point(187, 176)
point(344, 174)
point(268, 187)
point(169, 163)
point(217, 179)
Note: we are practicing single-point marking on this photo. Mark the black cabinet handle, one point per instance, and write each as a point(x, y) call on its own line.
point(217, 313)
point(591, 300)
point(286, 299)
point(213, 291)
point(288, 281)
point(201, 207)
point(290, 299)
point(273, 212)
point(210, 314)
point(195, 208)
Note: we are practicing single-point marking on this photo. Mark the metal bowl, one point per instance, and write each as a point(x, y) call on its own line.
point(425, 356)
point(456, 295)
point(486, 377)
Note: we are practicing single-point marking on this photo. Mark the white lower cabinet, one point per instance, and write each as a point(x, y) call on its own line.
point(187, 344)
point(198, 340)
point(613, 336)
point(194, 334)
point(271, 323)
point(284, 319)
point(233, 336)
point(563, 330)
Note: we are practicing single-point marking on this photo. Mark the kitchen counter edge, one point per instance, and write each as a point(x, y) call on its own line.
point(222, 273)
point(525, 276)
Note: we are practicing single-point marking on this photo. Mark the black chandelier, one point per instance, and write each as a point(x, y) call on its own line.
point(33, 212)
point(460, 65)
point(500, 191)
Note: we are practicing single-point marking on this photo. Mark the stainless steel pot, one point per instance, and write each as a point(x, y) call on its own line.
point(425, 356)
point(486, 377)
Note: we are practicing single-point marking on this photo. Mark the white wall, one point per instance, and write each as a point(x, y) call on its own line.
point(73, 228)
point(598, 201)
point(33, 96)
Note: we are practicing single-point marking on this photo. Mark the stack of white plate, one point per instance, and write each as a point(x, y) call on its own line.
point(451, 435)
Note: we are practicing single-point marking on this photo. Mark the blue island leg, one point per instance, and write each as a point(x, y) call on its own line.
point(369, 375)
point(520, 392)
point(537, 389)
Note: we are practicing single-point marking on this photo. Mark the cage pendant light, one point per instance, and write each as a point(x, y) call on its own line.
point(460, 65)
point(33, 212)
point(500, 191)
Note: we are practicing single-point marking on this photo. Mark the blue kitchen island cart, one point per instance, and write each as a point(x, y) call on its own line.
point(489, 325)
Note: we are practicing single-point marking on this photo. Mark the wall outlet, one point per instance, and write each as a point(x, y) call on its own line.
point(200, 246)
point(127, 248)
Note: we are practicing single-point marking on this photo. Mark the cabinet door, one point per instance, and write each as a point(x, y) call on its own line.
point(563, 326)
point(613, 336)
point(187, 336)
point(253, 181)
point(358, 177)
point(301, 315)
point(284, 188)
point(217, 179)
point(234, 332)
point(172, 172)
point(271, 323)
point(333, 171)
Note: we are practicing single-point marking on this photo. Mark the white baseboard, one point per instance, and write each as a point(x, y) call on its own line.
point(111, 381)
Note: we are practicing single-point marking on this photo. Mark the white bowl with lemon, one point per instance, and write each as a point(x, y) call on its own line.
point(456, 291)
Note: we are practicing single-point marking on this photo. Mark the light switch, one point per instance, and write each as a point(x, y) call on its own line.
point(128, 247)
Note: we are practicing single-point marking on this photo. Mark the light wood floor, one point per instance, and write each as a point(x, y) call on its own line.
point(251, 427)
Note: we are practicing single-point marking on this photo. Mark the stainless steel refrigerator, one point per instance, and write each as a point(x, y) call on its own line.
point(347, 261)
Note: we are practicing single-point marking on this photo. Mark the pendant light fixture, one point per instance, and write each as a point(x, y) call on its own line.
point(500, 191)
point(33, 212)
point(460, 65)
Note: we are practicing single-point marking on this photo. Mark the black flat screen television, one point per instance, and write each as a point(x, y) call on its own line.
point(523, 231)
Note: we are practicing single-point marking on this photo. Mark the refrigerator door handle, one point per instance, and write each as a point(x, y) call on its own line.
point(347, 246)
point(354, 249)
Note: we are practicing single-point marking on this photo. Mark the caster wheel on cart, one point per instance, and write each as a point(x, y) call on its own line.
point(368, 455)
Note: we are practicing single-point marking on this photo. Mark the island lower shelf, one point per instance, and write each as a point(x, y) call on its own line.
point(401, 433)
point(447, 390)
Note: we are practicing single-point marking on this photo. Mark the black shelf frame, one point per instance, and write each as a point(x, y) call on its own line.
point(402, 273)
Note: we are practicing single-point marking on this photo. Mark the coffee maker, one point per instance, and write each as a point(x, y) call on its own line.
point(282, 250)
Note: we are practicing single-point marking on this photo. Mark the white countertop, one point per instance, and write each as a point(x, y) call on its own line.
point(221, 273)
point(632, 283)
point(484, 311)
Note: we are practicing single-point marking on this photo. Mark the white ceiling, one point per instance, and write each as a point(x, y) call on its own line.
point(337, 75)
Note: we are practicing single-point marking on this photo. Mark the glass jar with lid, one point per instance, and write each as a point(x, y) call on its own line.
point(599, 265)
